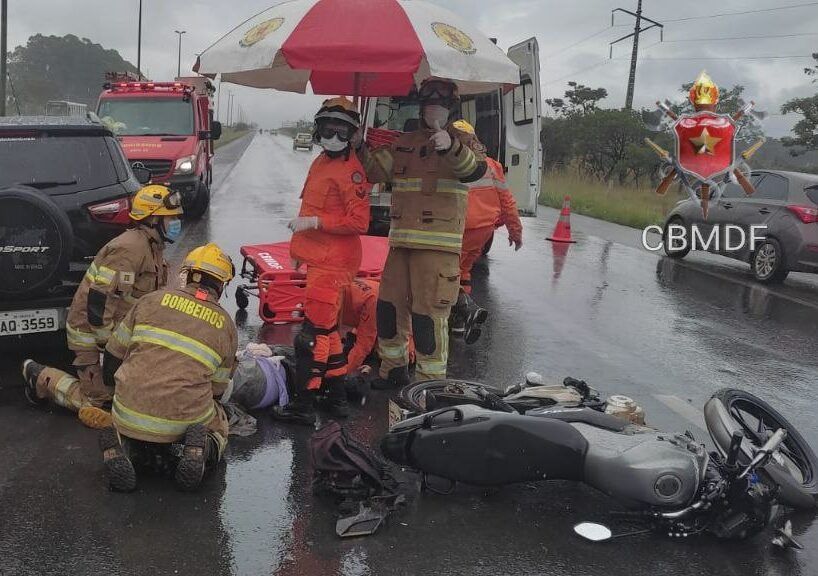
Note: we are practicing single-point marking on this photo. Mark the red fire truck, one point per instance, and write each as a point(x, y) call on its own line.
point(168, 128)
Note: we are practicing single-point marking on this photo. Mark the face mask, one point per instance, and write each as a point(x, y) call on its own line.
point(172, 229)
point(434, 113)
point(333, 144)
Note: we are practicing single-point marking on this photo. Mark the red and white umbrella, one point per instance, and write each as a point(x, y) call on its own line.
point(357, 47)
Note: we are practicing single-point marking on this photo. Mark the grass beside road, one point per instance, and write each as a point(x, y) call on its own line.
point(228, 136)
point(626, 205)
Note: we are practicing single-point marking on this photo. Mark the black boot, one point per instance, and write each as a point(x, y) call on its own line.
point(31, 372)
point(336, 400)
point(300, 410)
point(191, 467)
point(457, 316)
point(397, 378)
point(473, 318)
point(119, 470)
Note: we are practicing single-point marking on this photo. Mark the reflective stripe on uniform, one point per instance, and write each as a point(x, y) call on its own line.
point(445, 239)
point(62, 388)
point(431, 367)
point(102, 334)
point(80, 339)
point(122, 334)
point(407, 184)
point(489, 182)
point(91, 273)
point(393, 352)
point(179, 343)
point(105, 275)
point(221, 375)
point(467, 165)
point(451, 187)
point(153, 424)
point(443, 186)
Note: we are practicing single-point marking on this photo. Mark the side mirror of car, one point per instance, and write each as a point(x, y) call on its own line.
point(215, 130)
point(143, 175)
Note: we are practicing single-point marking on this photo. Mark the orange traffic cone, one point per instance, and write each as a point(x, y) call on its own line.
point(562, 232)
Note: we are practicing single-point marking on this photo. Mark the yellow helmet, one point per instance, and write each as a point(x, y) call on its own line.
point(155, 200)
point(464, 126)
point(211, 260)
point(704, 91)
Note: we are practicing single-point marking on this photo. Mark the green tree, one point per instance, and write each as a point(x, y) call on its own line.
point(806, 129)
point(578, 100)
point(61, 68)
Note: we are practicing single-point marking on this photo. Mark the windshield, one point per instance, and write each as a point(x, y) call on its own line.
point(397, 113)
point(147, 116)
point(56, 164)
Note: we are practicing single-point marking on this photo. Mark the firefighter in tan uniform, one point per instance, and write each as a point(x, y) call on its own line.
point(172, 358)
point(128, 267)
point(428, 170)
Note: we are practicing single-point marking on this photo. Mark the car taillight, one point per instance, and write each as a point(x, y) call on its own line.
point(113, 212)
point(806, 214)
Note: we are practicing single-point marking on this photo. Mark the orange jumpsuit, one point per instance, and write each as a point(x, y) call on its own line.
point(360, 314)
point(336, 191)
point(491, 205)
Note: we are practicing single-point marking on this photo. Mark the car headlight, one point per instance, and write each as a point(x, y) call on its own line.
point(185, 165)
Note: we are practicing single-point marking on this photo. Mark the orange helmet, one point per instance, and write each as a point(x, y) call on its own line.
point(340, 108)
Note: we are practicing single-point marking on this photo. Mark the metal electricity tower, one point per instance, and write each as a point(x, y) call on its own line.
point(637, 30)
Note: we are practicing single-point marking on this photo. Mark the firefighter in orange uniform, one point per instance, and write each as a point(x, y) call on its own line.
point(334, 213)
point(128, 267)
point(171, 359)
point(490, 206)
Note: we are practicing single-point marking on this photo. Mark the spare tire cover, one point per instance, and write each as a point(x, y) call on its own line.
point(36, 241)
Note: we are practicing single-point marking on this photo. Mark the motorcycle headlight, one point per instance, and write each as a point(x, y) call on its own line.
point(185, 165)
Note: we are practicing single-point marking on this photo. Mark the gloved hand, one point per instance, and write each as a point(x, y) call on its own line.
point(301, 223)
point(517, 241)
point(441, 139)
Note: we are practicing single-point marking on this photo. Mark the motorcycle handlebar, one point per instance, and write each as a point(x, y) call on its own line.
point(765, 451)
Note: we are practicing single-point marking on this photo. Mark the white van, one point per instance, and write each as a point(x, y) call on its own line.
point(508, 124)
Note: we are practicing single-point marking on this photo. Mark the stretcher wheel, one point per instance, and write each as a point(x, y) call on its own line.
point(242, 300)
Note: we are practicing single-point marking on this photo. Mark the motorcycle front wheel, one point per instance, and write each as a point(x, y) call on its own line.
point(795, 468)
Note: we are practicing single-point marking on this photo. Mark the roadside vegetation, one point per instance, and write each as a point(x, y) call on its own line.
point(598, 156)
point(628, 205)
point(231, 133)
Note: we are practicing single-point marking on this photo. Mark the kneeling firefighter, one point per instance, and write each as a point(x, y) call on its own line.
point(334, 213)
point(171, 359)
point(128, 267)
point(491, 205)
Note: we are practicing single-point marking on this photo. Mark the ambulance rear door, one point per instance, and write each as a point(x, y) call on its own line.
point(522, 109)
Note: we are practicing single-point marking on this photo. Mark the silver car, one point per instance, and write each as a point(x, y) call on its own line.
point(784, 210)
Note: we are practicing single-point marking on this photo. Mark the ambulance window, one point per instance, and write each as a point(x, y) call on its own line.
point(524, 102)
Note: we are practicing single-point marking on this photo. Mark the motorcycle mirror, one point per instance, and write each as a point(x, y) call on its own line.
point(593, 532)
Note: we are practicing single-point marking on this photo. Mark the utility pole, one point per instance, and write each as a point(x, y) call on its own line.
point(139, 44)
point(637, 30)
point(4, 16)
point(218, 99)
point(179, 61)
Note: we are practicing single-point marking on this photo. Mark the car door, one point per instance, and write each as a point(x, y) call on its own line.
point(769, 198)
point(522, 112)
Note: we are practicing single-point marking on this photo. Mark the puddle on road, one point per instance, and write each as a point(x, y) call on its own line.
point(255, 511)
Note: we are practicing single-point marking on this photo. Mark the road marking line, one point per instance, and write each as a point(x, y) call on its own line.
point(683, 409)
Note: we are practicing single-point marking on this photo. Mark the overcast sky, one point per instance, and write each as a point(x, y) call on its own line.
point(556, 24)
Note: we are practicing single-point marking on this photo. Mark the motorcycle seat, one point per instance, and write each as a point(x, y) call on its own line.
point(581, 415)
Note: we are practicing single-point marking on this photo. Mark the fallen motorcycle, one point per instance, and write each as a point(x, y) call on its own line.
point(667, 480)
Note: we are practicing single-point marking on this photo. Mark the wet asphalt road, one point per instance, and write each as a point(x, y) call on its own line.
point(666, 333)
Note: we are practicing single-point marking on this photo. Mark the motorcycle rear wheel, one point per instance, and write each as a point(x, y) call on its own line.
point(414, 396)
point(758, 420)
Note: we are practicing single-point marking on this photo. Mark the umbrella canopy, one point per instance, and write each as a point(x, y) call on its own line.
point(357, 47)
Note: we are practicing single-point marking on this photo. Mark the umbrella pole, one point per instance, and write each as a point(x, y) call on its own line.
point(356, 88)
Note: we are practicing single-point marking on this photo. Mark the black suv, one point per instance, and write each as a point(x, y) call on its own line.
point(65, 189)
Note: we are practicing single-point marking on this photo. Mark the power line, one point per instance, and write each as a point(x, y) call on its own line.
point(760, 10)
point(576, 72)
point(583, 40)
point(759, 37)
point(783, 57)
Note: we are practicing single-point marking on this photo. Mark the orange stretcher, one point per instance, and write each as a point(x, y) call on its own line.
point(280, 288)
